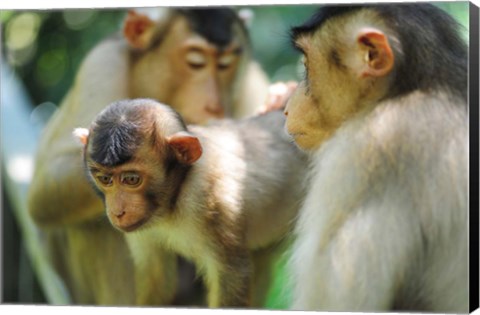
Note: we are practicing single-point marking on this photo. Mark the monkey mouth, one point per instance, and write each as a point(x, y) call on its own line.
point(292, 133)
point(134, 226)
point(296, 135)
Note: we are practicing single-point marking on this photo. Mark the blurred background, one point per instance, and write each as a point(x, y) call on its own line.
point(44, 49)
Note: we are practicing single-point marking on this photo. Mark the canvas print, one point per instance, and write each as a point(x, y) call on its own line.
point(282, 157)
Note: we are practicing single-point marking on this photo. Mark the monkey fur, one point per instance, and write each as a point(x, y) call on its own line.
point(211, 194)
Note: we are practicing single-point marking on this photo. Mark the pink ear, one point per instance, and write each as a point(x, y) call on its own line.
point(137, 29)
point(187, 147)
point(81, 134)
point(378, 55)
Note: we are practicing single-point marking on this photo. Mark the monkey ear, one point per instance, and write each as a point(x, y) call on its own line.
point(187, 147)
point(378, 58)
point(81, 134)
point(138, 30)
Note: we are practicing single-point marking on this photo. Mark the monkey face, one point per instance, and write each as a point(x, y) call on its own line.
point(197, 77)
point(123, 189)
point(303, 120)
point(126, 188)
point(347, 70)
point(207, 75)
point(321, 100)
point(143, 188)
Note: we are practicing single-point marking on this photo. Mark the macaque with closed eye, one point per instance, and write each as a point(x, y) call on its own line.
point(212, 194)
point(197, 60)
point(383, 111)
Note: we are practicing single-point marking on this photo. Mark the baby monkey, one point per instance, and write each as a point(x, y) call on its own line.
point(211, 194)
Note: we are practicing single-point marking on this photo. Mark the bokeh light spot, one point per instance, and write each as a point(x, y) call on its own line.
point(78, 19)
point(51, 67)
point(22, 31)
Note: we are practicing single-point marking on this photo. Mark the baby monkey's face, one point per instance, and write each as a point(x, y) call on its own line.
point(126, 191)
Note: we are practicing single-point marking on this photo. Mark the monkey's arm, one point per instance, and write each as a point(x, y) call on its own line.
point(59, 192)
point(228, 278)
point(58, 188)
point(253, 92)
point(155, 270)
point(227, 264)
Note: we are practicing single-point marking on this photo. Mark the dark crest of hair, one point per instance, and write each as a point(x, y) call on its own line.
point(435, 55)
point(215, 25)
point(115, 134)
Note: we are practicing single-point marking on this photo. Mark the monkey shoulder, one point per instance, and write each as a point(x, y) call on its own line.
point(216, 177)
point(102, 75)
point(110, 49)
point(408, 146)
point(247, 166)
point(420, 124)
point(270, 182)
point(248, 136)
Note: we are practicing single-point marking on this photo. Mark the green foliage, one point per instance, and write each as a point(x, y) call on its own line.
point(270, 34)
point(279, 295)
point(46, 47)
point(461, 12)
point(5, 16)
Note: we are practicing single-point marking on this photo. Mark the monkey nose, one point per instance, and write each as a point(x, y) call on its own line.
point(120, 214)
point(215, 109)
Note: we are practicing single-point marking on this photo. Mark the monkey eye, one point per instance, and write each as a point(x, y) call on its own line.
point(196, 59)
point(130, 179)
point(226, 61)
point(105, 180)
point(302, 69)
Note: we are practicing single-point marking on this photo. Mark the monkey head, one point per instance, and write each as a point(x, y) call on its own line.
point(137, 154)
point(348, 68)
point(195, 54)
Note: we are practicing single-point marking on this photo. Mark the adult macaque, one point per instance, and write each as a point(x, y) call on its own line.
point(197, 60)
point(383, 109)
point(211, 194)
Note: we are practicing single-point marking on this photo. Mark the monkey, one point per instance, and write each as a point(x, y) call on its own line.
point(197, 60)
point(210, 193)
point(383, 113)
